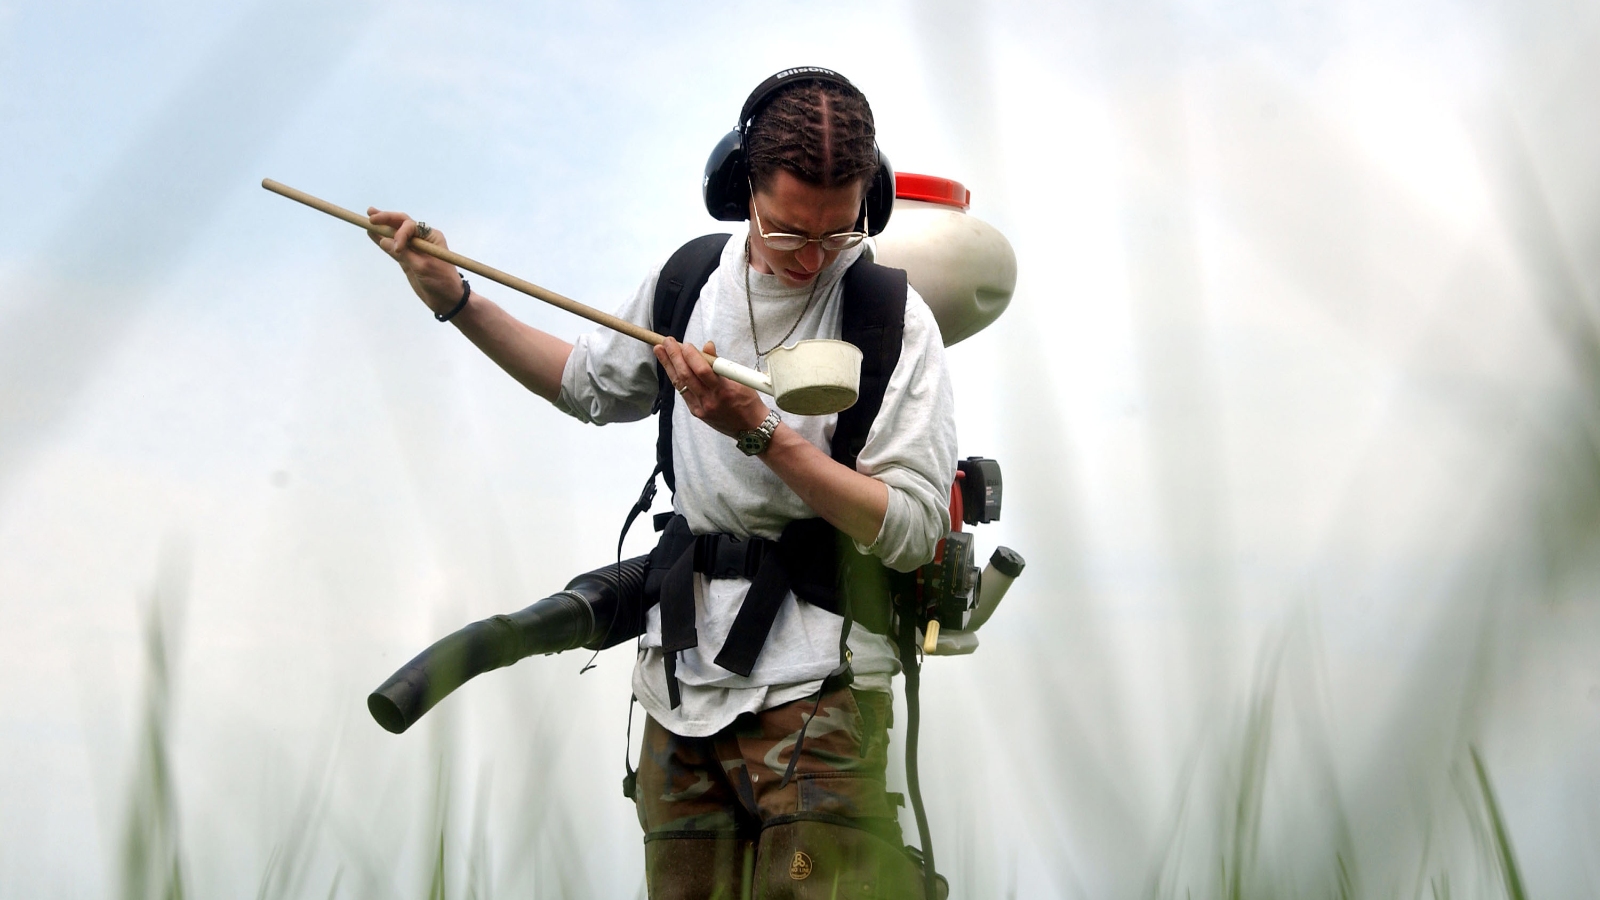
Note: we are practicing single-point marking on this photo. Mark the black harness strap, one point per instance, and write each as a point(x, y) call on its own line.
point(677, 291)
point(874, 319)
point(805, 548)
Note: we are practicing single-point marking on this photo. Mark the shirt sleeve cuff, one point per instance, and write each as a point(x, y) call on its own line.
point(909, 533)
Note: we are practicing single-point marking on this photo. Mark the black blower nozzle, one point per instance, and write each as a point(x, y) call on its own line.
point(595, 610)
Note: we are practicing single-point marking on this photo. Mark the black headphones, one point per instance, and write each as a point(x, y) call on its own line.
point(727, 183)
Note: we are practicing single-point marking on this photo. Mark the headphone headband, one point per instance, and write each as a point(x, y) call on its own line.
point(726, 186)
point(764, 91)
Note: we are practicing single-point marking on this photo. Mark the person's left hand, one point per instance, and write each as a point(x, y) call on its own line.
point(725, 405)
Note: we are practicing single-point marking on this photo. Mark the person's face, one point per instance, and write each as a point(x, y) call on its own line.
point(787, 204)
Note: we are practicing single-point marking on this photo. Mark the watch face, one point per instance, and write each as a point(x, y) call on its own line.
point(753, 442)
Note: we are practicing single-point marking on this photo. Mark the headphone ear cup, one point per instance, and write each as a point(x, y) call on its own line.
point(726, 187)
point(879, 202)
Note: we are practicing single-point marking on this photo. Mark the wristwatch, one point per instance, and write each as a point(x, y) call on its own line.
point(755, 441)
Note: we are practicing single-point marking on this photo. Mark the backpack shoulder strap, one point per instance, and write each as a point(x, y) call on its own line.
point(677, 290)
point(874, 319)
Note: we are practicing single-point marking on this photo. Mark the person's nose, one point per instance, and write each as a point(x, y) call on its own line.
point(810, 257)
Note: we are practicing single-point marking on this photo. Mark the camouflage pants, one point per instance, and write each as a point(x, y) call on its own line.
point(718, 823)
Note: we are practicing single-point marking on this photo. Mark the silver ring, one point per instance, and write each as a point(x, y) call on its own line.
point(682, 388)
point(423, 230)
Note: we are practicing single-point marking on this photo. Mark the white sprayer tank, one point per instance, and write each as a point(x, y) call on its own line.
point(962, 266)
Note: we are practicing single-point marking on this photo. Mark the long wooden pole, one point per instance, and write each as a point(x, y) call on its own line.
point(471, 265)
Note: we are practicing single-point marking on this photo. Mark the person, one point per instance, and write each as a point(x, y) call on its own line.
point(773, 779)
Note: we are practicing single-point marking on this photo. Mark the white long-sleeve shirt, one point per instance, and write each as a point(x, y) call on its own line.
point(911, 448)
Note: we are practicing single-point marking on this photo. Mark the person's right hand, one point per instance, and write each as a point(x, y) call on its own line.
point(435, 281)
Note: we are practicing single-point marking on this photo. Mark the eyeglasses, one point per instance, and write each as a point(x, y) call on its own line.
point(778, 240)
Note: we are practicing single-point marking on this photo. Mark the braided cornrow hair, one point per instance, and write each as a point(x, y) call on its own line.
point(819, 130)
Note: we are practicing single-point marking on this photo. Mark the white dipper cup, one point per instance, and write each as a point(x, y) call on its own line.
point(809, 378)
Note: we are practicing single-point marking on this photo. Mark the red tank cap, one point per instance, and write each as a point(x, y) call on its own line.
point(931, 189)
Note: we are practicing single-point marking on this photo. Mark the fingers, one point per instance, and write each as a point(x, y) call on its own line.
point(405, 231)
point(687, 370)
point(692, 374)
point(690, 367)
point(725, 405)
point(372, 214)
point(399, 221)
point(377, 217)
point(698, 367)
point(670, 355)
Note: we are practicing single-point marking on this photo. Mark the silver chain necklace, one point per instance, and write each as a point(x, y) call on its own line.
point(750, 305)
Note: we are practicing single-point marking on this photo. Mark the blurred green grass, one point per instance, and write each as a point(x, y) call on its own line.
point(1238, 861)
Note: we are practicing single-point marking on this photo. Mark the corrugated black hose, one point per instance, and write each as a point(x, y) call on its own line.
point(597, 609)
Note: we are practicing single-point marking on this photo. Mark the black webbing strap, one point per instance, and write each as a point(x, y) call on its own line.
point(754, 619)
point(806, 547)
point(873, 319)
point(677, 290)
point(774, 568)
point(677, 618)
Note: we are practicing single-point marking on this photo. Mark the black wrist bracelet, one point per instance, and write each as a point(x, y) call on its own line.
point(466, 292)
